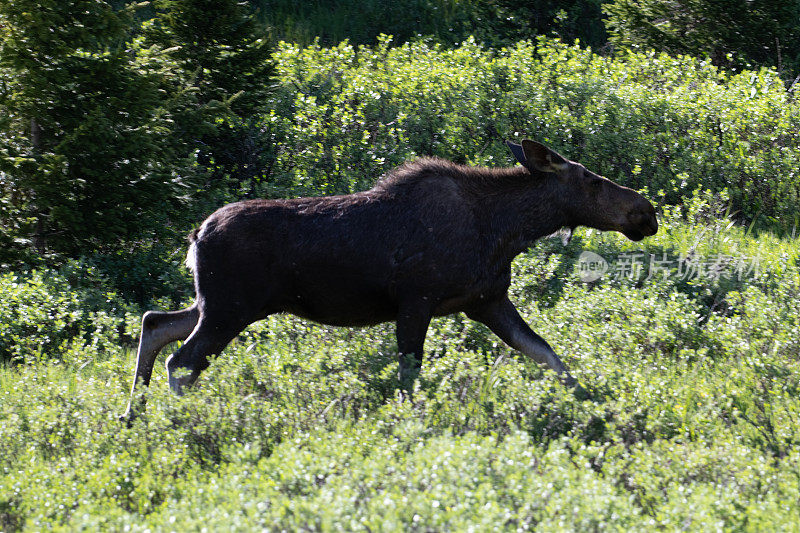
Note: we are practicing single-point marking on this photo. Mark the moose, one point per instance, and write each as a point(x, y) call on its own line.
point(431, 238)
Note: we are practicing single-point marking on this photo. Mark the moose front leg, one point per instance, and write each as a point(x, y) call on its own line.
point(412, 326)
point(503, 319)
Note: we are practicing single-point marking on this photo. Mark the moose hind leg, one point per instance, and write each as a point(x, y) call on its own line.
point(158, 330)
point(207, 340)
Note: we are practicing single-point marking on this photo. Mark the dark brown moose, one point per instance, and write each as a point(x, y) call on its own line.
point(431, 238)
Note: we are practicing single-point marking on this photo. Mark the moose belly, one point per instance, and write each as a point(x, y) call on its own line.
point(340, 300)
point(342, 309)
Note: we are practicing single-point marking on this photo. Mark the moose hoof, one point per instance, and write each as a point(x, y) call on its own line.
point(178, 384)
point(577, 389)
point(127, 417)
point(180, 377)
point(581, 393)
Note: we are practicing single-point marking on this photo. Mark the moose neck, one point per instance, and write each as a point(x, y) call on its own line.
point(521, 209)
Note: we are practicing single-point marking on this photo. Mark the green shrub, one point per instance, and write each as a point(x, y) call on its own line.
point(42, 316)
point(731, 34)
point(346, 115)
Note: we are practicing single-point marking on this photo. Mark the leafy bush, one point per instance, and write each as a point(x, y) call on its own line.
point(346, 115)
point(43, 317)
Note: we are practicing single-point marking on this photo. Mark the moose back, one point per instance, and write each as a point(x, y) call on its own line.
point(431, 238)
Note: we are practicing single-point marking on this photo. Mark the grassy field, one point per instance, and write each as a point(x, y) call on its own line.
point(692, 422)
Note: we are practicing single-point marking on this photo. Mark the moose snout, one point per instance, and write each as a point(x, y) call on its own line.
point(642, 221)
point(647, 221)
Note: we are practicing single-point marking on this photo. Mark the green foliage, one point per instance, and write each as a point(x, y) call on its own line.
point(101, 137)
point(731, 33)
point(217, 44)
point(361, 22)
point(346, 115)
point(738, 34)
point(508, 21)
point(82, 138)
point(493, 22)
point(154, 274)
point(43, 317)
point(219, 78)
point(692, 417)
point(115, 133)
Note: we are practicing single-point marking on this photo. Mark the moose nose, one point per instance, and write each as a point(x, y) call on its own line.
point(654, 224)
point(647, 220)
point(642, 218)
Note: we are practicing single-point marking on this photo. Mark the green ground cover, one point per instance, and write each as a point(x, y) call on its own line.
point(692, 421)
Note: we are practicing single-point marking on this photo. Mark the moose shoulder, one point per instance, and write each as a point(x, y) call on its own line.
point(430, 239)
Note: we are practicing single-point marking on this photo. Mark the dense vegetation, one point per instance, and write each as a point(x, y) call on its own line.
point(671, 125)
point(730, 33)
point(111, 132)
point(120, 128)
point(121, 125)
point(733, 34)
point(692, 423)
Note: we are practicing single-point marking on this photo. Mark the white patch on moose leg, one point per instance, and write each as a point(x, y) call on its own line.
point(539, 351)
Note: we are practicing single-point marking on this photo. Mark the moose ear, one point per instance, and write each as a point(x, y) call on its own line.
point(543, 158)
point(519, 153)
